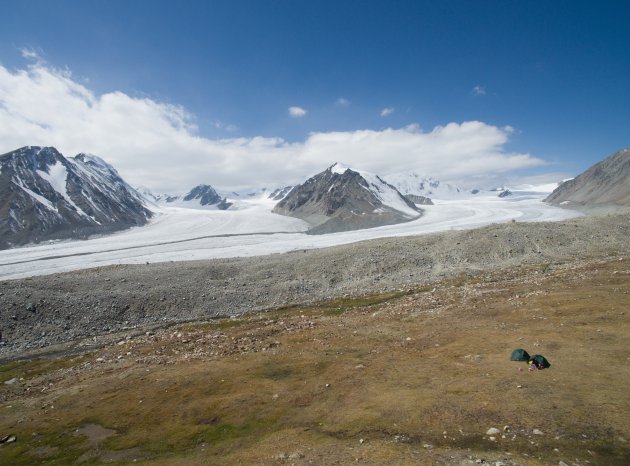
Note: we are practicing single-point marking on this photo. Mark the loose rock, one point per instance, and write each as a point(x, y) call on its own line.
point(8, 439)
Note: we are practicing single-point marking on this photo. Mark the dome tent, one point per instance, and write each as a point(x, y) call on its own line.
point(519, 354)
point(539, 361)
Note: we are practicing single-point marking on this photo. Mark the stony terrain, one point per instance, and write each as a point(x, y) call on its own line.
point(41, 312)
point(419, 376)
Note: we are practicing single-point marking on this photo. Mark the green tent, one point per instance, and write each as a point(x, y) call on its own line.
point(519, 354)
point(539, 361)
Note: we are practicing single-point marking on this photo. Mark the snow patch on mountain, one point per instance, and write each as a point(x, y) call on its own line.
point(41, 199)
point(339, 168)
point(426, 186)
point(385, 192)
point(57, 176)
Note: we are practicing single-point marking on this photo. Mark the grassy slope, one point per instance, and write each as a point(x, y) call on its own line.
point(416, 377)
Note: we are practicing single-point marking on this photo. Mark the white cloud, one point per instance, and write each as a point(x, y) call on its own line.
point(387, 111)
point(31, 54)
point(158, 145)
point(218, 124)
point(479, 90)
point(342, 102)
point(297, 112)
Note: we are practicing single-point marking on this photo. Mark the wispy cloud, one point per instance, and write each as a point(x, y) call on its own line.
point(479, 90)
point(297, 112)
point(158, 145)
point(342, 102)
point(31, 54)
point(387, 111)
point(218, 124)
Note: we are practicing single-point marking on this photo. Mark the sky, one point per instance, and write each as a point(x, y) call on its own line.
point(248, 94)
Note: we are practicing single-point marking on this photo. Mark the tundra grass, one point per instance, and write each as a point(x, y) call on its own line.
point(411, 377)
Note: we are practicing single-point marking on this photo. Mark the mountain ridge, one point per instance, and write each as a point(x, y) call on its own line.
point(605, 183)
point(343, 199)
point(46, 196)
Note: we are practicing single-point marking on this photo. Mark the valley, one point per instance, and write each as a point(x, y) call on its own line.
point(214, 335)
point(250, 229)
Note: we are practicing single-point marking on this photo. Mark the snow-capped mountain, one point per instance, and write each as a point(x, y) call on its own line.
point(280, 193)
point(417, 185)
point(205, 195)
point(200, 197)
point(44, 195)
point(342, 199)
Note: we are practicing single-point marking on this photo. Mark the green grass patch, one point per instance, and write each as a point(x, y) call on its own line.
point(276, 373)
point(338, 306)
point(10, 370)
point(53, 448)
point(27, 369)
point(224, 433)
point(366, 301)
point(179, 438)
point(215, 324)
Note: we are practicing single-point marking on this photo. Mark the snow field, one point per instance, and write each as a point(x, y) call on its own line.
point(178, 234)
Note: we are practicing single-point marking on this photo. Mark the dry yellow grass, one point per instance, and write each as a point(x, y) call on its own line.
point(415, 377)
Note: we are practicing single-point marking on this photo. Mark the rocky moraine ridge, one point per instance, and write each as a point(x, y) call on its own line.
point(38, 312)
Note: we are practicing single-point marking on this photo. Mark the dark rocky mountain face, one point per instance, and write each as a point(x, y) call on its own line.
point(343, 199)
point(280, 193)
point(204, 193)
point(605, 183)
point(419, 200)
point(44, 195)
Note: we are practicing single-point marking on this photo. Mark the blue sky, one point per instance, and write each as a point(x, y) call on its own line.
point(552, 77)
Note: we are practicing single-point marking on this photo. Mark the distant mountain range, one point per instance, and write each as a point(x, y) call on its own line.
point(412, 184)
point(200, 196)
point(44, 195)
point(605, 183)
point(342, 199)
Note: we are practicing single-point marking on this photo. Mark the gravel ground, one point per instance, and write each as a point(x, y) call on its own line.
point(43, 314)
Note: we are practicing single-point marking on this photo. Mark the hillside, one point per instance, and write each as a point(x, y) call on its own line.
point(605, 183)
point(417, 376)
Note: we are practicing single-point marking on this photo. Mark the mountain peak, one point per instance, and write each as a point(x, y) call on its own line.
point(342, 199)
point(93, 159)
point(46, 196)
point(339, 168)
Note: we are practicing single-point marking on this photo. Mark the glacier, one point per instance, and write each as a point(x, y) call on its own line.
point(251, 229)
